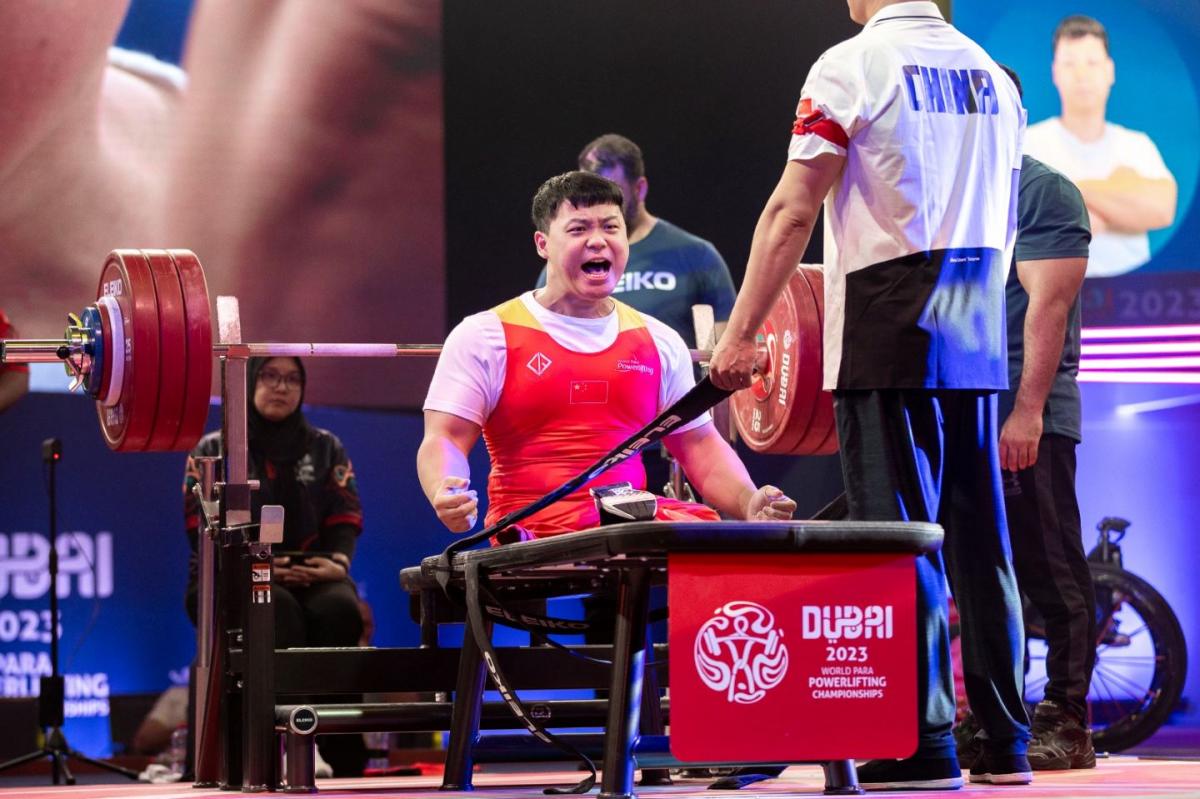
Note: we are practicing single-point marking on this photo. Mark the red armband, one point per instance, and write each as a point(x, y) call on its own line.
point(810, 121)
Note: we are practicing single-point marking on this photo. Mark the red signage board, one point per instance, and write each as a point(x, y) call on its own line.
point(792, 657)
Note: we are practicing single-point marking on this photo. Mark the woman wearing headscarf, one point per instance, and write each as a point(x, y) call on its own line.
point(305, 469)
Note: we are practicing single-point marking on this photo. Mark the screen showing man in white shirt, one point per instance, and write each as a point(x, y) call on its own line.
point(1125, 183)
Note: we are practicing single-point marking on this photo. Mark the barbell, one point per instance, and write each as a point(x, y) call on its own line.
point(784, 410)
point(144, 352)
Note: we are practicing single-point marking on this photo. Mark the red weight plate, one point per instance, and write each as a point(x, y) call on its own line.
point(760, 422)
point(198, 385)
point(172, 350)
point(821, 431)
point(769, 415)
point(830, 444)
point(127, 424)
point(804, 350)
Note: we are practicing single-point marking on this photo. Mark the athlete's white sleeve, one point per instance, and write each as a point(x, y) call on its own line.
point(470, 371)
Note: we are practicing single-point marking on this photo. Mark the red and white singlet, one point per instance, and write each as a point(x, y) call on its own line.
point(560, 411)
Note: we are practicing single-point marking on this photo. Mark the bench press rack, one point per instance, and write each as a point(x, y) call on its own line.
point(238, 715)
point(144, 352)
point(627, 557)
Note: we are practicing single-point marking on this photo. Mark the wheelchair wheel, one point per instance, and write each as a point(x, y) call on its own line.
point(1141, 660)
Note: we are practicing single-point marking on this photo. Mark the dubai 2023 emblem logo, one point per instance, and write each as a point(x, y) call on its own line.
point(739, 652)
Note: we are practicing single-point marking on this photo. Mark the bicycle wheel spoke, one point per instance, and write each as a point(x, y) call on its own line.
point(1129, 684)
point(1100, 686)
point(1144, 628)
point(1109, 699)
point(1132, 660)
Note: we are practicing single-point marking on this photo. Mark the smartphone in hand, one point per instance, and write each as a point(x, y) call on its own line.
point(297, 557)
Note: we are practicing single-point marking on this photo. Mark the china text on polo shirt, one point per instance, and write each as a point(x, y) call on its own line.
point(921, 222)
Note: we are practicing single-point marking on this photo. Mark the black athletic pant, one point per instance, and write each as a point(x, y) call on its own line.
point(324, 614)
point(1052, 569)
point(926, 455)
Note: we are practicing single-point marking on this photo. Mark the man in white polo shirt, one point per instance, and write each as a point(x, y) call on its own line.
point(911, 134)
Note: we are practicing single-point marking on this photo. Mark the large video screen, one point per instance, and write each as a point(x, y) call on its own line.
point(298, 154)
point(1114, 103)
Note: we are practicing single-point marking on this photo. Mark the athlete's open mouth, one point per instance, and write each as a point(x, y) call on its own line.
point(597, 268)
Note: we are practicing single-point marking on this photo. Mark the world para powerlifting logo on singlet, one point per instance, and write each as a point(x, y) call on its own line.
point(634, 365)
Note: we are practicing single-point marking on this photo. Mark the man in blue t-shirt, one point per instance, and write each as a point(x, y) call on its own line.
point(669, 269)
point(1041, 426)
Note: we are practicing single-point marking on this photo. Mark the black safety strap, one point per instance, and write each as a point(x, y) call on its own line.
point(837, 510)
point(539, 627)
point(483, 639)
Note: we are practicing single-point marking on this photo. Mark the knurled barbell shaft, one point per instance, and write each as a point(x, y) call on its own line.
point(34, 350)
point(326, 350)
point(50, 350)
point(331, 350)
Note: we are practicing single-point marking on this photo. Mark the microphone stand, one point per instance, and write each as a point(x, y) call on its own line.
point(51, 694)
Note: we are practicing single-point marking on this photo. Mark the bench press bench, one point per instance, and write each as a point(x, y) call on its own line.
point(864, 569)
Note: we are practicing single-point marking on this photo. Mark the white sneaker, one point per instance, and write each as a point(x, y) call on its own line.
point(322, 769)
point(159, 773)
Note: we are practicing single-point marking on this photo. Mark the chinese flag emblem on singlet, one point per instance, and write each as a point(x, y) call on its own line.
point(589, 392)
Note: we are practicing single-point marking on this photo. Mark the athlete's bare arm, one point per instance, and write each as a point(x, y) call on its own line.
point(443, 469)
point(721, 478)
point(307, 124)
point(13, 386)
point(83, 151)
